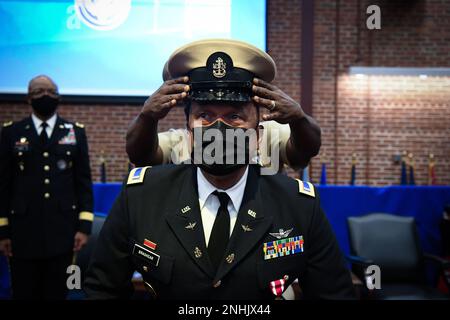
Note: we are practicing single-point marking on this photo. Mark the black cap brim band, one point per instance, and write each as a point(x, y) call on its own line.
point(233, 91)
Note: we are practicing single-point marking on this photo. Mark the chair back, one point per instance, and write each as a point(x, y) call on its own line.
point(391, 242)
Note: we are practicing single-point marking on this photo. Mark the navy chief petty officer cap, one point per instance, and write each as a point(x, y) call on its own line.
point(220, 69)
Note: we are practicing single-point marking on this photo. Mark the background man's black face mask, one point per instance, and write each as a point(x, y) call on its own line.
point(45, 105)
point(220, 149)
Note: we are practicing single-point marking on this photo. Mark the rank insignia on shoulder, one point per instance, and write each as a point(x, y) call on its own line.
point(79, 125)
point(137, 175)
point(7, 124)
point(306, 188)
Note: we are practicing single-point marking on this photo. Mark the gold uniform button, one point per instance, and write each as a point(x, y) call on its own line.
point(45, 154)
point(47, 181)
point(217, 284)
point(68, 153)
point(145, 268)
point(74, 207)
point(20, 153)
point(46, 195)
point(47, 168)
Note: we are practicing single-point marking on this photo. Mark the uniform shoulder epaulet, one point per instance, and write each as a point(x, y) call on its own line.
point(306, 188)
point(7, 124)
point(79, 125)
point(137, 175)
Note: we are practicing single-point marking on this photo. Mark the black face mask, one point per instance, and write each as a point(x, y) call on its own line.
point(45, 105)
point(220, 149)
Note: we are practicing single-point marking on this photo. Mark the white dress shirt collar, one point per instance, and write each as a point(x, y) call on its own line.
point(50, 123)
point(236, 192)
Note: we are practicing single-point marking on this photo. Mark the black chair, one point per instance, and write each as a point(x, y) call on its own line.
point(392, 243)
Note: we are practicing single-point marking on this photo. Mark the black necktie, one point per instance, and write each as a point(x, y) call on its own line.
point(220, 233)
point(43, 136)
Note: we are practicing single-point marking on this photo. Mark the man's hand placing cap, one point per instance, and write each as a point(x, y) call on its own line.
point(172, 92)
point(282, 108)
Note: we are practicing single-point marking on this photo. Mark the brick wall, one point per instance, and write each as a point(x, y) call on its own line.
point(375, 117)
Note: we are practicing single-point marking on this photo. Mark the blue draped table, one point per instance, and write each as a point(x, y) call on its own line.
point(423, 203)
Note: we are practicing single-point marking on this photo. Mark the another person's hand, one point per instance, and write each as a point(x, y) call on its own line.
point(162, 100)
point(81, 240)
point(5, 247)
point(282, 108)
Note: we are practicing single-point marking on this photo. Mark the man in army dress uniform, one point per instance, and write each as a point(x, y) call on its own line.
point(45, 195)
point(221, 229)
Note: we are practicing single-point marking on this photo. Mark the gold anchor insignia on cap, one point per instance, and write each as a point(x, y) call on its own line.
point(246, 228)
point(191, 225)
point(219, 68)
point(251, 213)
point(185, 209)
point(197, 252)
point(230, 258)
